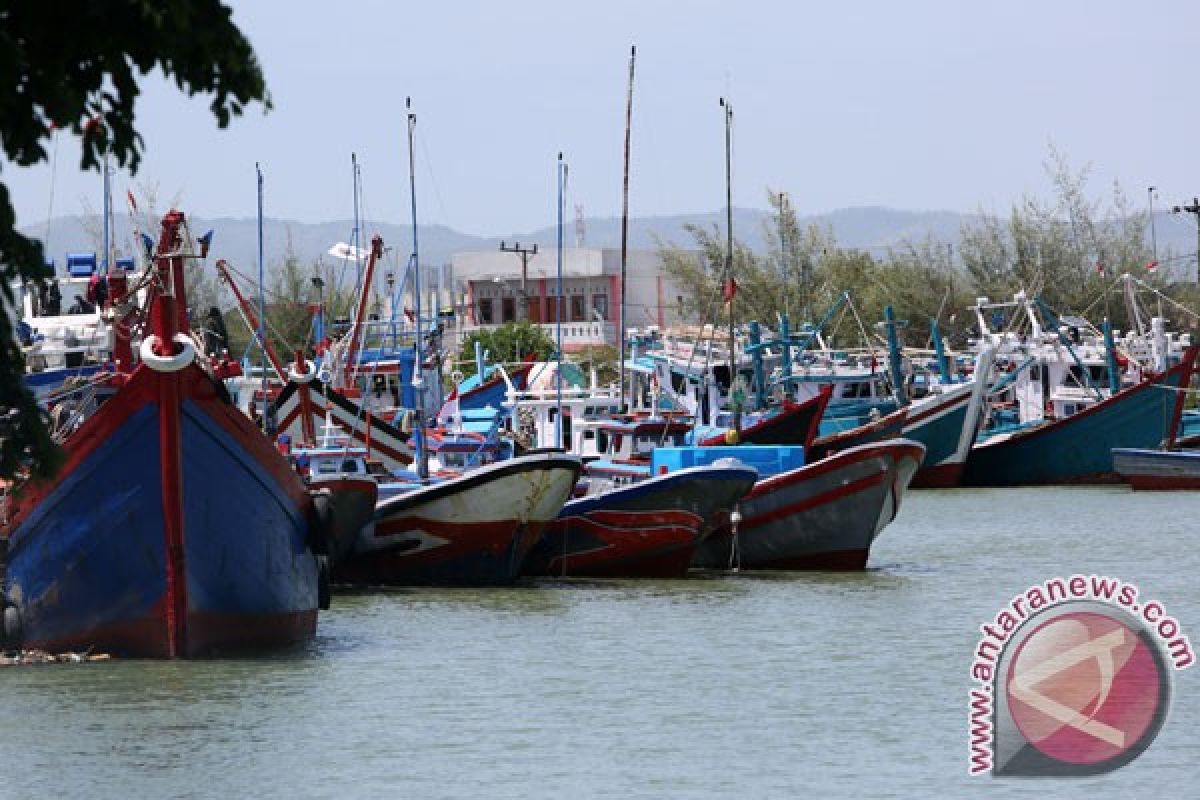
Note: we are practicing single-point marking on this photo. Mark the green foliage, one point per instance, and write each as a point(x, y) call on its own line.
point(603, 358)
point(75, 65)
point(1050, 248)
point(508, 343)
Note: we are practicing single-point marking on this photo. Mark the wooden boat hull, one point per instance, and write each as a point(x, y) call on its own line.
point(1078, 449)
point(820, 516)
point(174, 529)
point(474, 530)
point(648, 530)
point(793, 424)
point(947, 424)
point(1158, 469)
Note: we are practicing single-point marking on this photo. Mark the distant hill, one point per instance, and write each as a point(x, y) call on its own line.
point(871, 228)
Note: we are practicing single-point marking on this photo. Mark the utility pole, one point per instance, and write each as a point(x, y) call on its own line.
point(1153, 232)
point(1194, 210)
point(525, 253)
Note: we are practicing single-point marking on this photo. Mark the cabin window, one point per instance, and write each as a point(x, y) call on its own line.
point(1068, 409)
point(486, 317)
point(589, 435)
point(1035, 372)
point(349, 465)
point(602, 441)
point(326, 468)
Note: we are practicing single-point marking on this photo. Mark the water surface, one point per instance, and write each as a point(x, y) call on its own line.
point(834, 685)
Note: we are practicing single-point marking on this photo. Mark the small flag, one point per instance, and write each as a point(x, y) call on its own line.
point(1152, 266)
point(730, 290)
point(1100, 268)
point(148, 243)
point(132, 202)
point(205, 242)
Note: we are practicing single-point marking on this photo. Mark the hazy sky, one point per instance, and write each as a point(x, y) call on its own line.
point(922, 105)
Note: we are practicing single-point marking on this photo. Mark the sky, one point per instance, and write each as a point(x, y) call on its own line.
point(915, 105)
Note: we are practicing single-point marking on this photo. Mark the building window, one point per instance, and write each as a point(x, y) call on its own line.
point(534, 309)
point(577, 314)
point(600, 304)
point(508, 309)
point(485, 312)
point(552, 309)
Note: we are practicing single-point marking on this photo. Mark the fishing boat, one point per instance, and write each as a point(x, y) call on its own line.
point(1158, 469)
point(1078, 448)
point(823, 515)
point(473, 530)
point(650, 529)
point(1069, 402)
point(174, 528)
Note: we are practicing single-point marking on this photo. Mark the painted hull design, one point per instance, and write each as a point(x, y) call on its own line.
point(820, 516)
point(647, 530)
point(1158, 469)
point(794, 424)
point(174, 530)
point(300, 411)
point(1078, 449)
point(474, 530)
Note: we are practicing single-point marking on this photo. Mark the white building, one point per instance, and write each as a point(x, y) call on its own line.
point(497, 290)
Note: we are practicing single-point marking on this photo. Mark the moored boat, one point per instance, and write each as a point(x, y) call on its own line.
point(1158, 469)
point(473, 530)
point(1079, 448)
point(650, 529)
point(174, 528)
point(824, 515)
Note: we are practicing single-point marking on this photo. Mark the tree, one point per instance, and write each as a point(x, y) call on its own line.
point(508, 343)
point(75, 65)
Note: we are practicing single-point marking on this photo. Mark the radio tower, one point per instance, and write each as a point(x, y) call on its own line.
point(580, 227)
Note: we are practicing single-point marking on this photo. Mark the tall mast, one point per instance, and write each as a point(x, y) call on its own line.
point(730, 286)
point(625, 220)
point(104, 261)
point(558, 299)
point(357, 233)
point(417, 379)
point(262, 298)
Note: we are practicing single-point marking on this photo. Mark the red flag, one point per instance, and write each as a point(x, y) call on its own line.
point(1152, 266)
point(1100, 267)
point(132, 202)
point(730, 290)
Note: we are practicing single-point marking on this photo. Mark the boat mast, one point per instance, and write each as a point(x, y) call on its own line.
point(357, 233)
point(417, 379)
point(625, 221)
point(730, 285)
point(104, 263)
point(558, 299)
point(262, 298)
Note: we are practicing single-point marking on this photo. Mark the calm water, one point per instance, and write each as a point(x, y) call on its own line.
point(776, 686)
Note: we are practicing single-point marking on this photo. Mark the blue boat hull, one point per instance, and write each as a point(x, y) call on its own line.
point(1078, 449)
point(173, 530)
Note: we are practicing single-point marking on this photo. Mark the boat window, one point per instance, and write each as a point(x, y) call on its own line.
point(1035, 372)
point(349, 465)
point(326, 467)
point(587, 435)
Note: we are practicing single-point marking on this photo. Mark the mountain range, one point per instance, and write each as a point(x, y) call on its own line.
point(871, 228)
